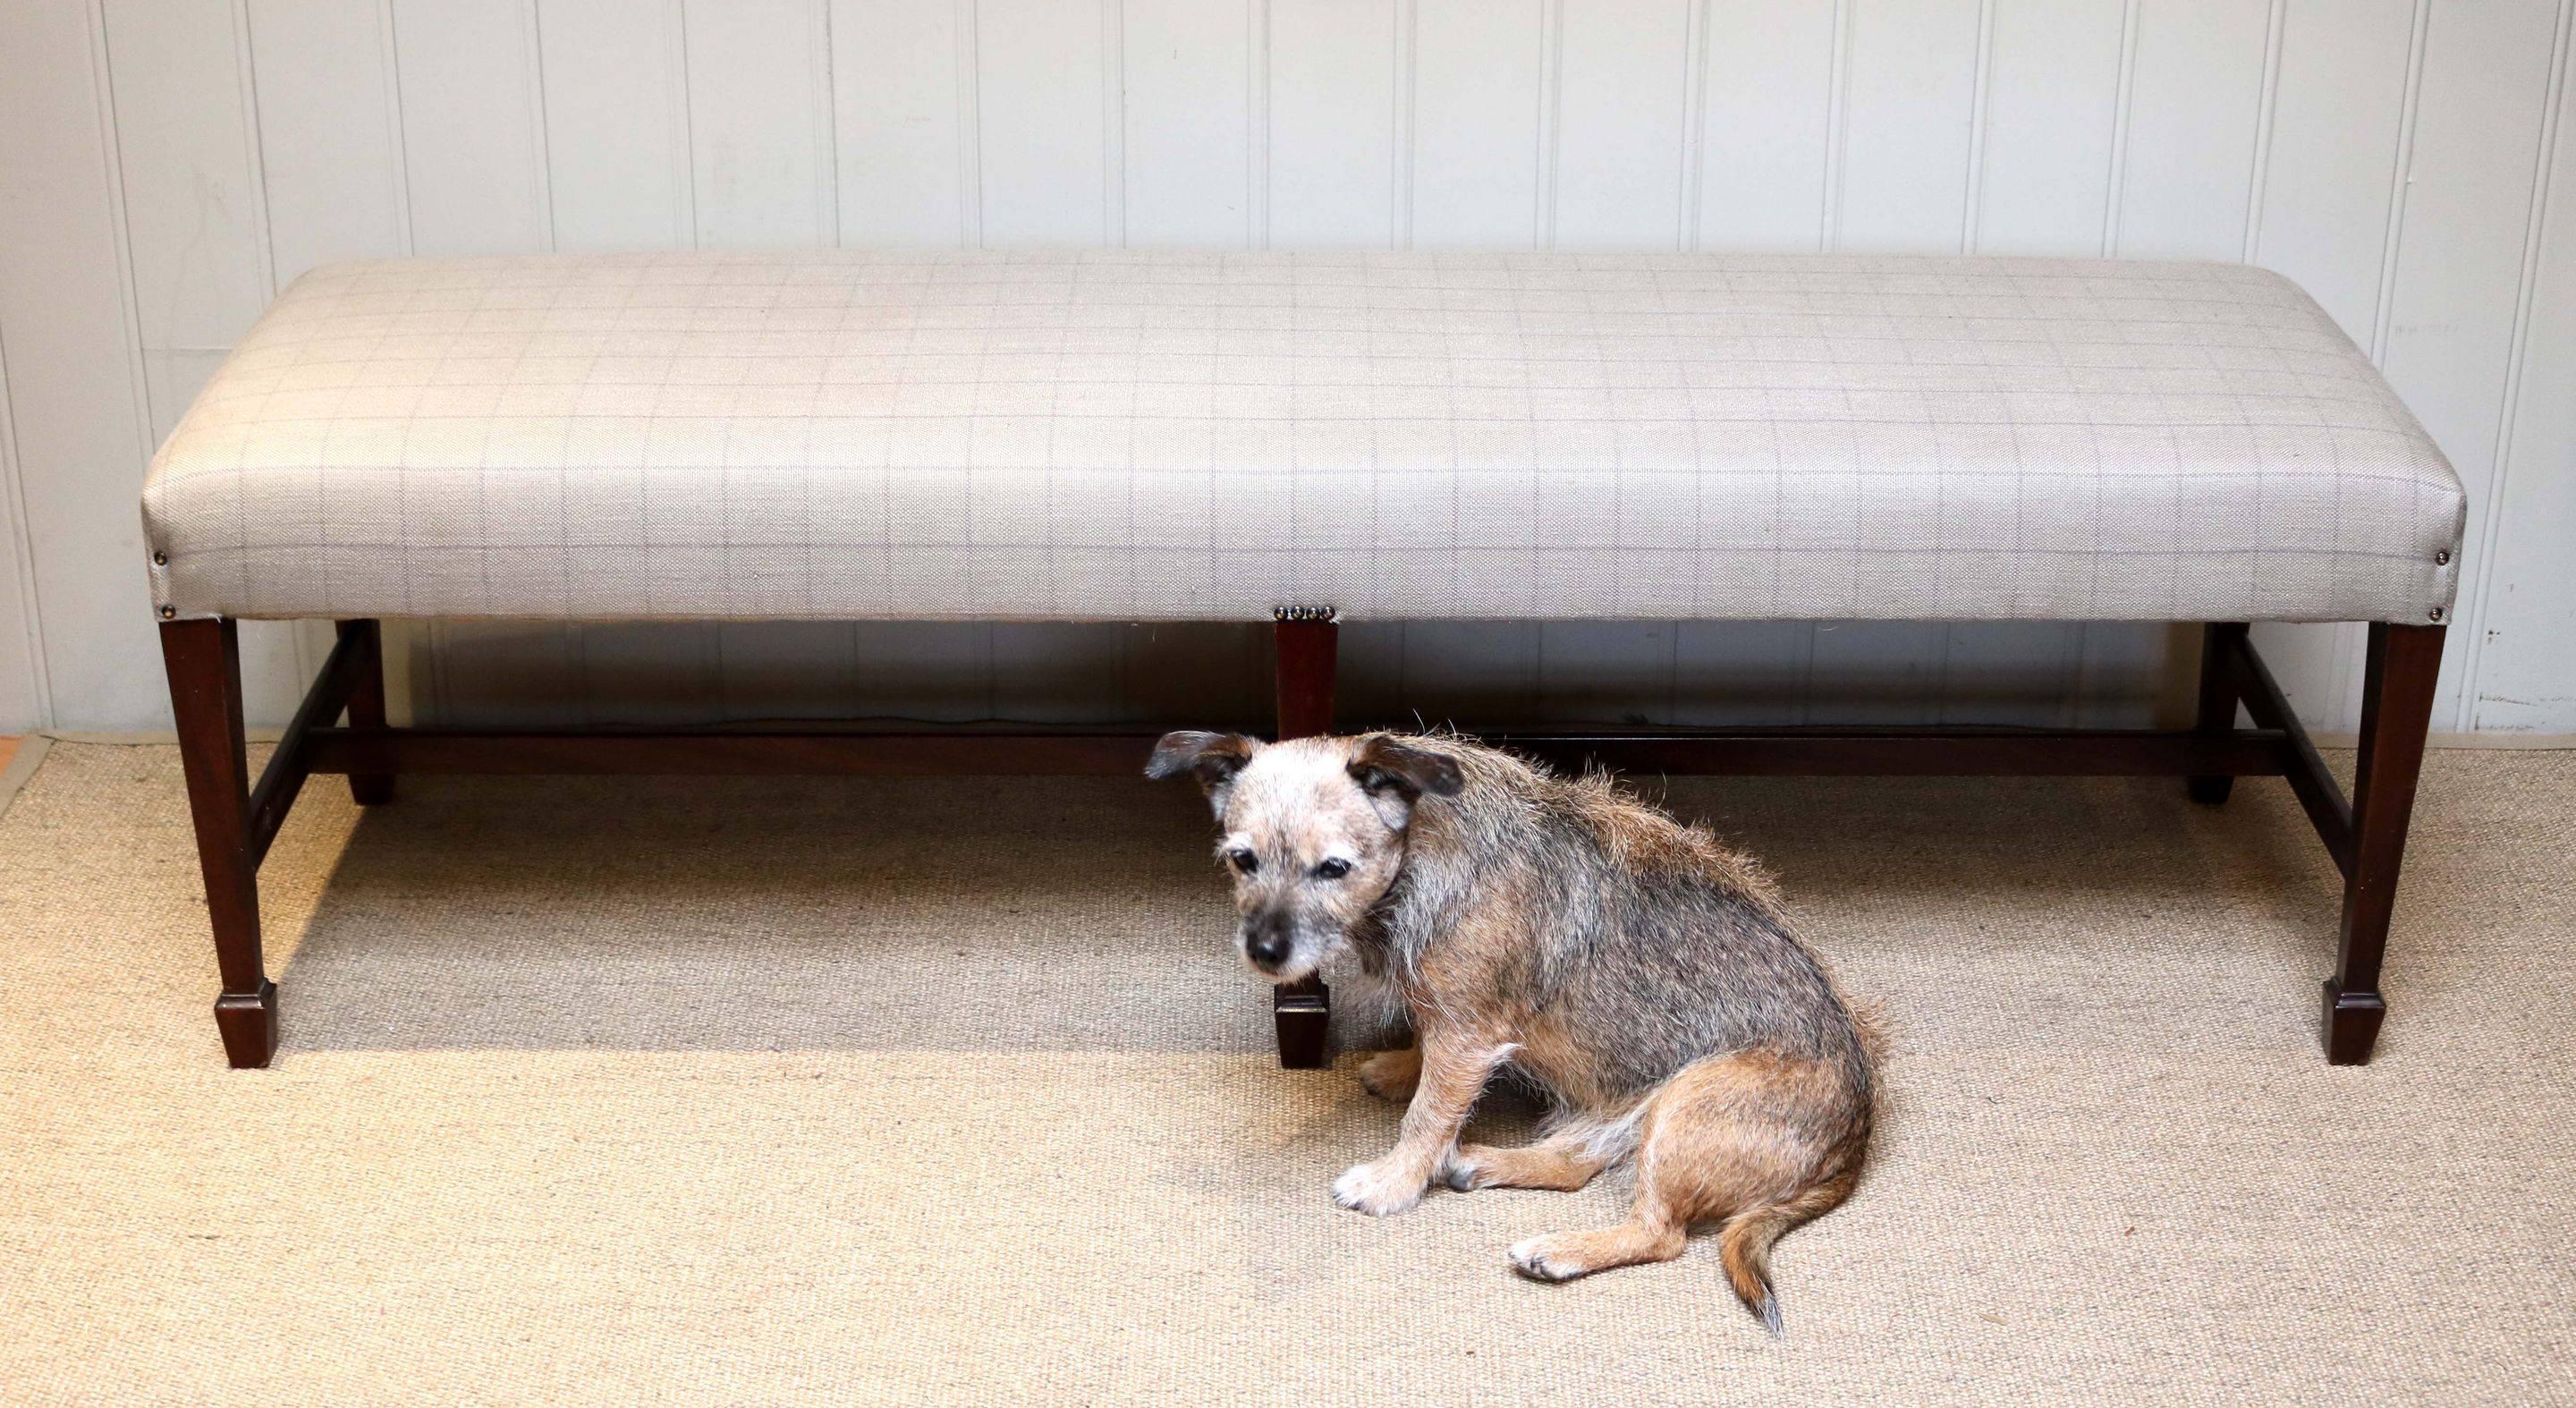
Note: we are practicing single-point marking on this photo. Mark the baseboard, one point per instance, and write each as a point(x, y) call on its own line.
point(2518, 742)
point(31, 752)
point(143, 737)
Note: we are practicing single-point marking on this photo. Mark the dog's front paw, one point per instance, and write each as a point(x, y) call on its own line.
point(1392, 1075)
point(1373, 1189)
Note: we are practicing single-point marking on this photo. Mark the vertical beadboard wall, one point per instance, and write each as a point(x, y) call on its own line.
point(165, 165)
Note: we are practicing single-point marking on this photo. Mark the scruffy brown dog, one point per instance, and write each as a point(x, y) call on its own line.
point(1639, 971)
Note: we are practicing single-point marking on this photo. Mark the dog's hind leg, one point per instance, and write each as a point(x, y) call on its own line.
point(1561, 1163)
point(1750, 1140)
point(1566, 1255)
point(1392, 1075)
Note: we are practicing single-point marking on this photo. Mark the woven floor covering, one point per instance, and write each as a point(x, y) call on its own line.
point(848, 1091)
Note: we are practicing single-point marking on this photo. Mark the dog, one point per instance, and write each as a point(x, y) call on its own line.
point(1638, 971)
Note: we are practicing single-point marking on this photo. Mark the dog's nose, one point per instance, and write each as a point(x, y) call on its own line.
point(1268, 950)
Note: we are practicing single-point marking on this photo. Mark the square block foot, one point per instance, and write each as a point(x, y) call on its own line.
point(248, 1021)
point(2351, 1024)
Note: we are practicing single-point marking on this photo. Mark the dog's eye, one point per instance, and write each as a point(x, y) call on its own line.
point(1333, 869)
point(1243, 860)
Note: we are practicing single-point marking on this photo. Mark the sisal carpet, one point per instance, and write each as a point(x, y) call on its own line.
point(856, 1092)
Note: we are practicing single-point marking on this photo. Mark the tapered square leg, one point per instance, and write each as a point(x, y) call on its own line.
point(367, 706)
point(204, 662)
point(2396, 713)
point(2218, 695)
point(1307, 640)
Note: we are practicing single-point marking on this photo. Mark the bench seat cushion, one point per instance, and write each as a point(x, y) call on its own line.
point(1135, 436)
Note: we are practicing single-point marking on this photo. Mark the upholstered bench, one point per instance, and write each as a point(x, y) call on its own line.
point(1237, 437)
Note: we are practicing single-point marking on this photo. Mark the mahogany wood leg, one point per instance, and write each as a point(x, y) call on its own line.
point(2396, 712)
point(2218, 694)
point(204, 660)
point(1307, 640)
point(367, 706)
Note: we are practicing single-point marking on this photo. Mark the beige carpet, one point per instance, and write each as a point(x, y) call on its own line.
point(749, 1091)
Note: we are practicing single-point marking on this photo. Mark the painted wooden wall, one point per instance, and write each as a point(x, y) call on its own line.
point(166, 164)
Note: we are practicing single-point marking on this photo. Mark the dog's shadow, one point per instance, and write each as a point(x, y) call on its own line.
point(1069, 914)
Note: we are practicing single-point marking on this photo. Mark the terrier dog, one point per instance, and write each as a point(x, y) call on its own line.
point(1641, 973)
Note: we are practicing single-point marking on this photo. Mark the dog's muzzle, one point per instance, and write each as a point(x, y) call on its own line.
point(1268, 940)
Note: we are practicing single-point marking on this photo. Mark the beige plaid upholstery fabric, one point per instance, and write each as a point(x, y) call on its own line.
point(1133, 436)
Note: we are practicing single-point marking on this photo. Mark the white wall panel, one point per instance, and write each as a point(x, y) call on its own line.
point(2525, 649)
point(2010, 672)
point(1053, 673)
point(2487, 71)
point(1908, 103)
point(1331, 135)
point(1876, 672)
point(77, 420)
point(1213, 674)
point(2195, 108)
point(618, 172)
point(1041, 91)
point(1477, 78)
point(1622, 84)
point(906, 107)
point(2051, 114)
point(327, 138)
point(2338, 114)
point(1188, 123)
point(23, 697)
point(168, 164)
point(760, 122)
point(1742, 672)
point(1472, 670)
point(192, 198)
point(644, 672)
point(1618, 672)
point(473, 126)
point(1771, 92)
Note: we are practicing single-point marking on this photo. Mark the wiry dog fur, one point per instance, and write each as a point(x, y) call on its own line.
point(1640, 972)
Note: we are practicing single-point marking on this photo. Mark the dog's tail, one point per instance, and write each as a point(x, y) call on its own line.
point(1744, 1243)
point(1744, 1247)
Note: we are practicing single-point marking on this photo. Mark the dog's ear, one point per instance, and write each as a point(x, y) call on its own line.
point(1395, 774)
point(1212, 758)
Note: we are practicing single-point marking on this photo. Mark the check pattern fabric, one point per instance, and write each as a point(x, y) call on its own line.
point(1137, 436)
